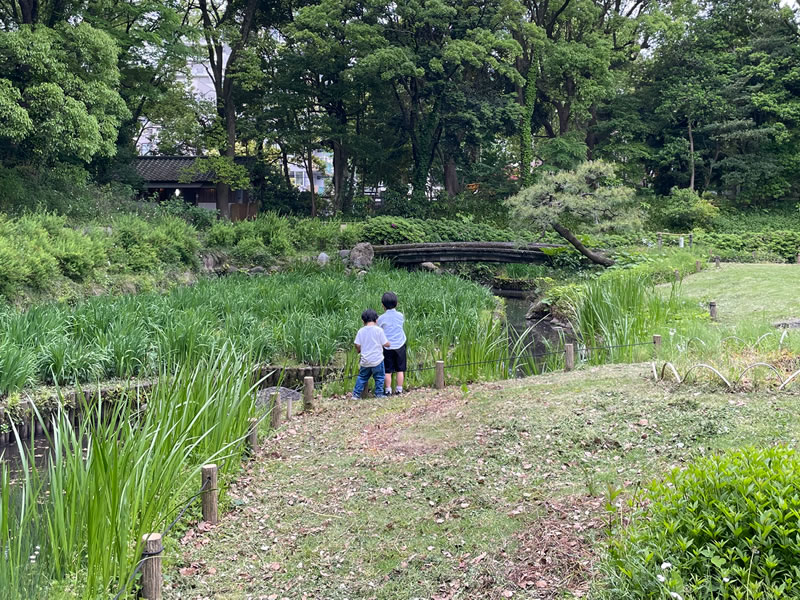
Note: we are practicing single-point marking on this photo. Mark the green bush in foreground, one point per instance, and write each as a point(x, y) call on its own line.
point(725, 527)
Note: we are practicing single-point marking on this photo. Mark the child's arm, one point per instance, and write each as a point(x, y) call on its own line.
point(358, 348)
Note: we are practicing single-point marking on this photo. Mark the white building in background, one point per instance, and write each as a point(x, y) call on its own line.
point(202, 87)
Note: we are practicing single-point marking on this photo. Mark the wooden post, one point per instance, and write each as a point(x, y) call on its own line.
point(657, 343)
point(210, 495)
point(151, 567)
point(677, 276)
point(697, 266)
point(798, 258)
point(680, 242)
point(712, 310)
point(252, 436)
point(275, 408)
point(439, 380)
point(569, 357)
point(660, 241)
point(716, 260)
point(308, 393)
point(691, 240)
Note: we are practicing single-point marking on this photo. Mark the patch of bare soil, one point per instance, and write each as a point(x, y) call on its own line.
point(394, 434)
point(555, 553)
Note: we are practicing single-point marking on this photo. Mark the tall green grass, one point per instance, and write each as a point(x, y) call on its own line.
point(305, 316)
point(120, 474)
point(613, 313)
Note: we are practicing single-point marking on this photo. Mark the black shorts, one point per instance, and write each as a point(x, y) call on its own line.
point(394, 361)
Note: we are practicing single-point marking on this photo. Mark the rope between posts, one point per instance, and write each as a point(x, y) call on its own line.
point(319, 384)
point(148, 555)
point(505, 359)
point(618, 346)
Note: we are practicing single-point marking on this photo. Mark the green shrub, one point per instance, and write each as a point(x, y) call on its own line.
point(785, 244)
point(314, 234)
point(78, 254)
point(275, 231)
point(175, 241)
point(199, 217)
point(685, 209)
point(222, 234)
point(392, 230)
point(725, 527)
point(350, 234)
point(252, 250)
point(150, 245)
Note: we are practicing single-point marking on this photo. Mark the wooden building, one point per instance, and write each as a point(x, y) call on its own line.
point(162, 175)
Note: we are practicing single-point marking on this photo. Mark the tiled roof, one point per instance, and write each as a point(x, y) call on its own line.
point(167, 168)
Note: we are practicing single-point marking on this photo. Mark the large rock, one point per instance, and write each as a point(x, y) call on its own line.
point(323, 259)
point(537, 310)
point(362, 255)
point(344, 255)
point(257, 270)
point(428, 266)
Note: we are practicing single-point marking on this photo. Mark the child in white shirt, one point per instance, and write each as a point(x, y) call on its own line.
point(394, 356)
point(370, 342)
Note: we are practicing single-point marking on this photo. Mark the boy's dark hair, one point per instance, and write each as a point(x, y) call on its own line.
point(369, 316)
point(389, 300)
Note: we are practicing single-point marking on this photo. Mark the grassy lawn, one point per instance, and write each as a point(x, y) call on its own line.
point(758, 292)
point(495, 491)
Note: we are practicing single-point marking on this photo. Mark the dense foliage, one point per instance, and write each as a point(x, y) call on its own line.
point(723, 527)
point(441, 104)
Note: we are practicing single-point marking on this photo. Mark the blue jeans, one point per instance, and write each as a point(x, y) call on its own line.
point(364, 373)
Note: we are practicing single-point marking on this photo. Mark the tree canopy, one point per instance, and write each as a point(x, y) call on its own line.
point(465, 101)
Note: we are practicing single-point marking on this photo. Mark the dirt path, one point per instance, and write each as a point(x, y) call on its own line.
point(497, 491)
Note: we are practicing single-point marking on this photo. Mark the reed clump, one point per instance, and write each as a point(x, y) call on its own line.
point(79, 516)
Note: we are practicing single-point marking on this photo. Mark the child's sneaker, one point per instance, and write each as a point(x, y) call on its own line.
point(387, 392)
point(354, 397)
point(398, 391)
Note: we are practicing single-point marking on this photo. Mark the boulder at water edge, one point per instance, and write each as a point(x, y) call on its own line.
point(323, 259)
point(361, 256)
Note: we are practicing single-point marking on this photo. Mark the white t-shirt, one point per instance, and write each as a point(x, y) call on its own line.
point(392, 323)
point(371, 338)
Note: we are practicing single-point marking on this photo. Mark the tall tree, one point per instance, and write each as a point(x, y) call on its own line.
point(227, 28)
point(324, 44)
point(428, 45)
point(58, 94)
point(572, 51)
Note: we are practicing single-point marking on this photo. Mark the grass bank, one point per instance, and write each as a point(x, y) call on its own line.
point(750, 299)
point(493, 491)
point(753, 292)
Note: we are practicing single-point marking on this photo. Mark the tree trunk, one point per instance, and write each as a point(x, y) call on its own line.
point(285, 163)
point(310, 172)
point(691, 157)
point(451, 184)
point(525, 133)
point(592, 256)
point(339, 175)
point(223, 189)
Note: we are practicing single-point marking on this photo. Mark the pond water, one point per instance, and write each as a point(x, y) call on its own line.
point(543, 335)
